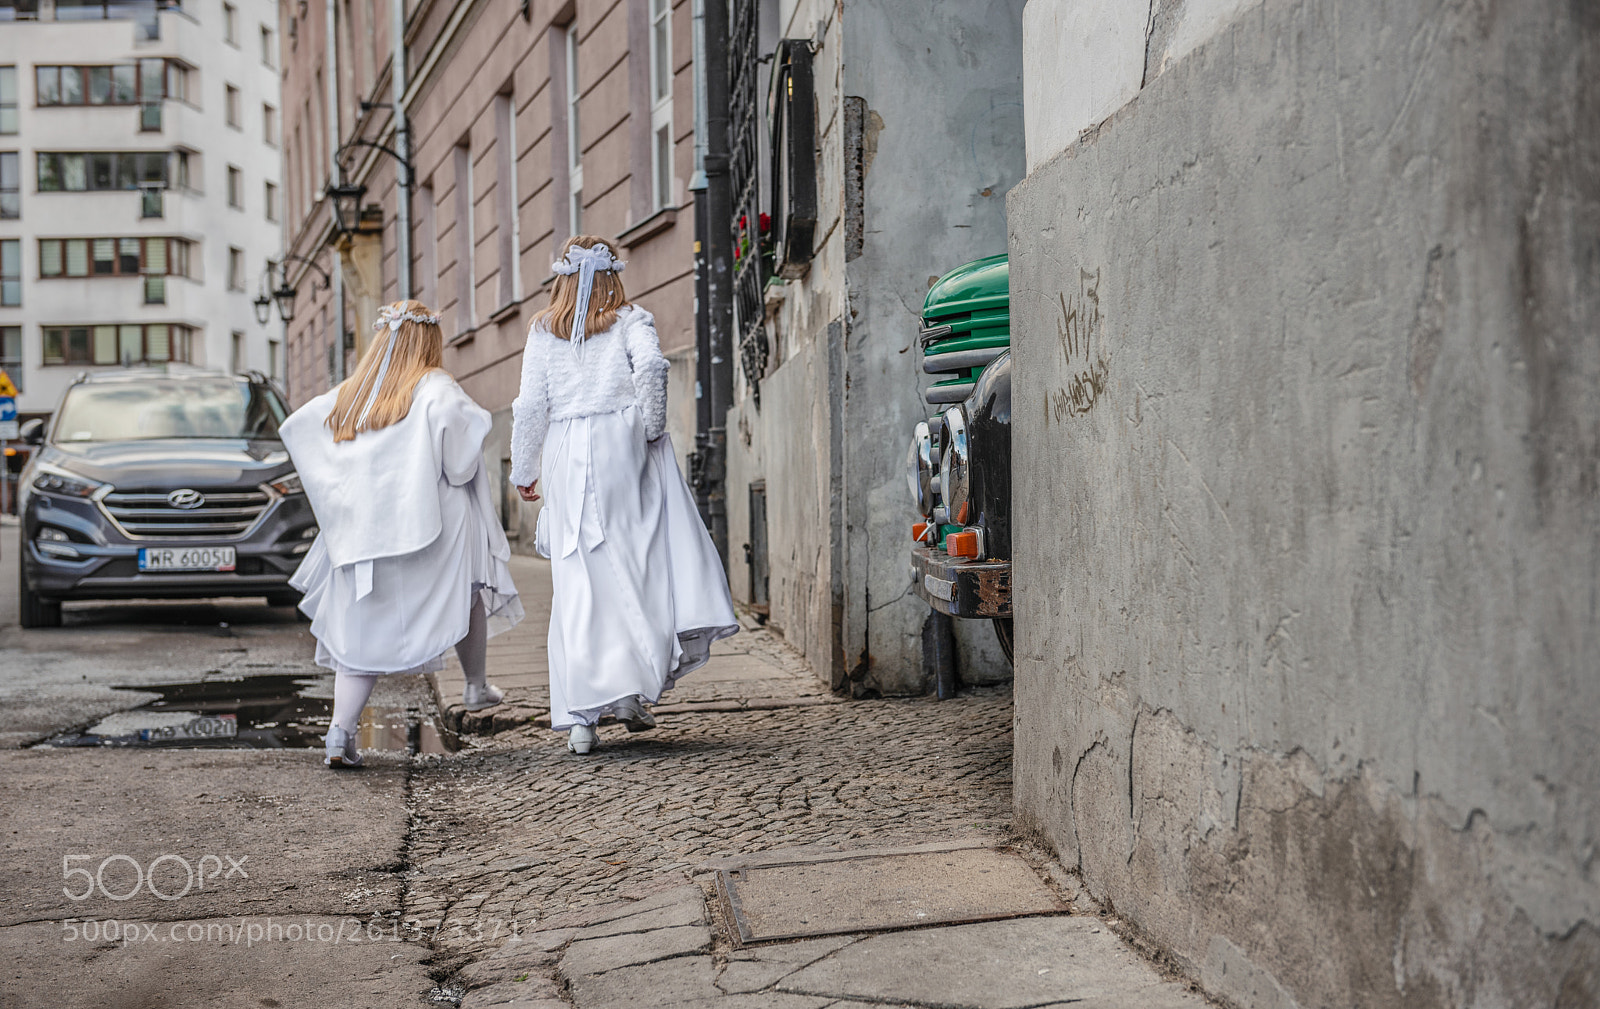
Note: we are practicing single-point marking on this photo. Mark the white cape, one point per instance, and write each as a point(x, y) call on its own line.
point(409, 537)
point(640, 594)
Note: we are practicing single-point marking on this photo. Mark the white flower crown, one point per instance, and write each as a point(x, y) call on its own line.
point(392, 318)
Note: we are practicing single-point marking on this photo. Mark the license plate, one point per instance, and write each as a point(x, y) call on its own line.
point(203, 727)
point(186, 558)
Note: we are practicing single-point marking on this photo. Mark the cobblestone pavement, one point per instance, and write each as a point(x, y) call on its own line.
point(519, 830)
point(546, 880)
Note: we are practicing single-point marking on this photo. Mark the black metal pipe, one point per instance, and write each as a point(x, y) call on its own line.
point(702, 362)
point(719, 268)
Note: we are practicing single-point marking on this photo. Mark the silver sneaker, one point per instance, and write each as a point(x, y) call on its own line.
point(581, 739)
point(476, 698)
point(341, 749)
point(632, 713)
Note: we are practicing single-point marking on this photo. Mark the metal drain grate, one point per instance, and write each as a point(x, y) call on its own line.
point(870, 891)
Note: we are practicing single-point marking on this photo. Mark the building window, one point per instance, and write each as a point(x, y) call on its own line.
point(231, 105)
point(11, 272)
point(270, 201)
point(130, 343)
point(235, 269)
point(427, 245)
point(182, 180)
point(505, 143)
point(465, 268)
point(574, 150)
point(661, 102)
point(101, 170)
point(10, 185)
point(177, 81)
point(179, 264)
point(230, 24)
point(235, 188)
point(8, 100)
point(149, 80)
point(269, 50)
point(274, 349)
point(236, 360)
point(269, 124)
point(11, 354)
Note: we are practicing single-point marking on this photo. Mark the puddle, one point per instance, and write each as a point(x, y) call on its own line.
point(266, 712)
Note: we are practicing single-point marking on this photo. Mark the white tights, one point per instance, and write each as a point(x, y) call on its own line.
point(351, 690)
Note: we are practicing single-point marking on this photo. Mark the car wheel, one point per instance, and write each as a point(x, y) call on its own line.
point(32, 610)
point(1002, 630)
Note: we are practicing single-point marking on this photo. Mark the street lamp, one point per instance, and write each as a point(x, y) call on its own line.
point(346, 198)
point(284, 294)
point(263, 306)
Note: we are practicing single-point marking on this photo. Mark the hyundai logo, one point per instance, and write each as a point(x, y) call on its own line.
point(186, 499)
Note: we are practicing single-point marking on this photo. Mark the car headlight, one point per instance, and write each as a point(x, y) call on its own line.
point(287, 484)
point(955, 473)
point(920, 469)
point(55, 480)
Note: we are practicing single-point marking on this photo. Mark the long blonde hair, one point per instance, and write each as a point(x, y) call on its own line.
point(418, 350)
point(606, 298)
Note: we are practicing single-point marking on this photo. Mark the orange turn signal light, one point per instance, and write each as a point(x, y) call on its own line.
point(962, 544)
point(919, 531)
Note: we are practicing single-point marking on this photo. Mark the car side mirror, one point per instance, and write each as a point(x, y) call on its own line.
point(32, 432)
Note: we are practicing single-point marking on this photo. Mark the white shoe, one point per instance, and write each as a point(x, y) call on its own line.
point(631, 712)
point(581, 739)
point(476, 698)
point(342, 750)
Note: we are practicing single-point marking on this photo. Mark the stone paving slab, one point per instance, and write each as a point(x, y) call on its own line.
point(596, 956)
point(878, 892)
point(1014, 964)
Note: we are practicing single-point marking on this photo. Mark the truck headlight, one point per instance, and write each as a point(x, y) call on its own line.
point(955, 472)
point(920, 469)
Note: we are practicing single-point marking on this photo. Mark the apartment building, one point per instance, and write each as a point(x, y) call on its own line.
point(139, 188)
point(527, 121)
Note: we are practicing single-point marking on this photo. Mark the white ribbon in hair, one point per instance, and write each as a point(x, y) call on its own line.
point(584, 262)
point(391, 317)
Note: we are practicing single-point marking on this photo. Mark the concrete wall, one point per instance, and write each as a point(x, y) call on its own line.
point(1308, 447)
point(925, 103)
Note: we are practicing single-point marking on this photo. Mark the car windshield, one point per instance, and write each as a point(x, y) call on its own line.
point(163, 408)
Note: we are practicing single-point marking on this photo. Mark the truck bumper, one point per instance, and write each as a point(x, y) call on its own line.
point(961, 588)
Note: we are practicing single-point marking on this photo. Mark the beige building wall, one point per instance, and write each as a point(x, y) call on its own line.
point(488, 103)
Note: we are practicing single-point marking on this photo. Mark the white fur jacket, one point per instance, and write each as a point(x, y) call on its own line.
point(610, 371)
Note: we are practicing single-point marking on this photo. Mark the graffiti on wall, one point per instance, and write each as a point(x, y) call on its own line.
point(1083, 349)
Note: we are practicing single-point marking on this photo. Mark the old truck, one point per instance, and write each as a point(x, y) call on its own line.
point(959, 463)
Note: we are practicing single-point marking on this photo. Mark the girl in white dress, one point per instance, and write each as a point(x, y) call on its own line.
point(411, 559)
point(640, 593)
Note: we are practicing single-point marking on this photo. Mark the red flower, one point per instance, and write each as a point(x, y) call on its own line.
point(766, 221)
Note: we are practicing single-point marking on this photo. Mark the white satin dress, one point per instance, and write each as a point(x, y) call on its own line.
point(640, 593)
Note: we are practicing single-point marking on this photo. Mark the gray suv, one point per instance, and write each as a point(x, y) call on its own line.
point(160, 483)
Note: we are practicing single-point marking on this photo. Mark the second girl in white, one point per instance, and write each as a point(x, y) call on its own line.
point(640, 592)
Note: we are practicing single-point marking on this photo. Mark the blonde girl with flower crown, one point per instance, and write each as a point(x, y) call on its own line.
point(411, 560)
point(640, 593)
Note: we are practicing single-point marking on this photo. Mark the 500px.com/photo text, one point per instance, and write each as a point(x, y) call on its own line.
point(249, 932)
point(165, 877)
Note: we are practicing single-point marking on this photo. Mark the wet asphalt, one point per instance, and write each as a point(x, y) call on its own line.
point(219, 836)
